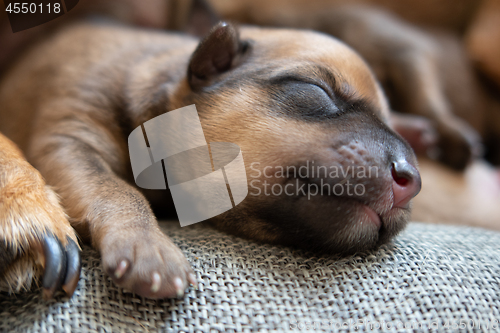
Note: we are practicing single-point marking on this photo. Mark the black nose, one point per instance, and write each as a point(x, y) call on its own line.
point(406, 183)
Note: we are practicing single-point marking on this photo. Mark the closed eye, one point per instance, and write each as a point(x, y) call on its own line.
point(306, 99)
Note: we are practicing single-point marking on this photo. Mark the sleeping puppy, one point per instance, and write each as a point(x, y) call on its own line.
point(287, 98)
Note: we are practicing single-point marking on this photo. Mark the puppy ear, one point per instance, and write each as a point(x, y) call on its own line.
point(214, 55)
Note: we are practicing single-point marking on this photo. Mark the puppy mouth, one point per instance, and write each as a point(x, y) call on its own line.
point(374, 213)
point(386, 218)
point(341, 223)
point(373, 217)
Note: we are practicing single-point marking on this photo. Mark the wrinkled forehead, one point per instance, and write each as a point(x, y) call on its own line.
point(320, 57)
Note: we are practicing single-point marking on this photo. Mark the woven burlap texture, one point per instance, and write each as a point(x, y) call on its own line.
point(431, 277)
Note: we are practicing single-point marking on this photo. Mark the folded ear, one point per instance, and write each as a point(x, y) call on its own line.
point(215, 54)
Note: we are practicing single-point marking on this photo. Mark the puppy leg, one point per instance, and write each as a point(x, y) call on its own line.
point(35, 235)
point(83, 162)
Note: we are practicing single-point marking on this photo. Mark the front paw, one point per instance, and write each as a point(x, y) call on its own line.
point(458, 143)
point(36, 239)
point(146, 262)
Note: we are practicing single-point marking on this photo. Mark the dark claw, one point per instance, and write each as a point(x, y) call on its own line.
point(72, 268)
point(55, 265)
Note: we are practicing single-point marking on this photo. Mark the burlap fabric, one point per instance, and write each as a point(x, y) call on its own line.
point(431, 278)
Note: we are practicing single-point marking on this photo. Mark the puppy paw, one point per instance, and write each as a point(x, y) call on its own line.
point(146, 263)
point(458, 143)
point(418, 131)
point(36, 239)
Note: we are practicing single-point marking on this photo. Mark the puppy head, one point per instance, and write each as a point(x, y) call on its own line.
point(325, 171)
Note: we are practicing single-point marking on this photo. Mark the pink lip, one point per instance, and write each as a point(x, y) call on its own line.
point(373, 216)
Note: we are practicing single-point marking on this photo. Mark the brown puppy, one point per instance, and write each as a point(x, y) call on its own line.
point(423, 71)
point(288, 98)
point(421, 52)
